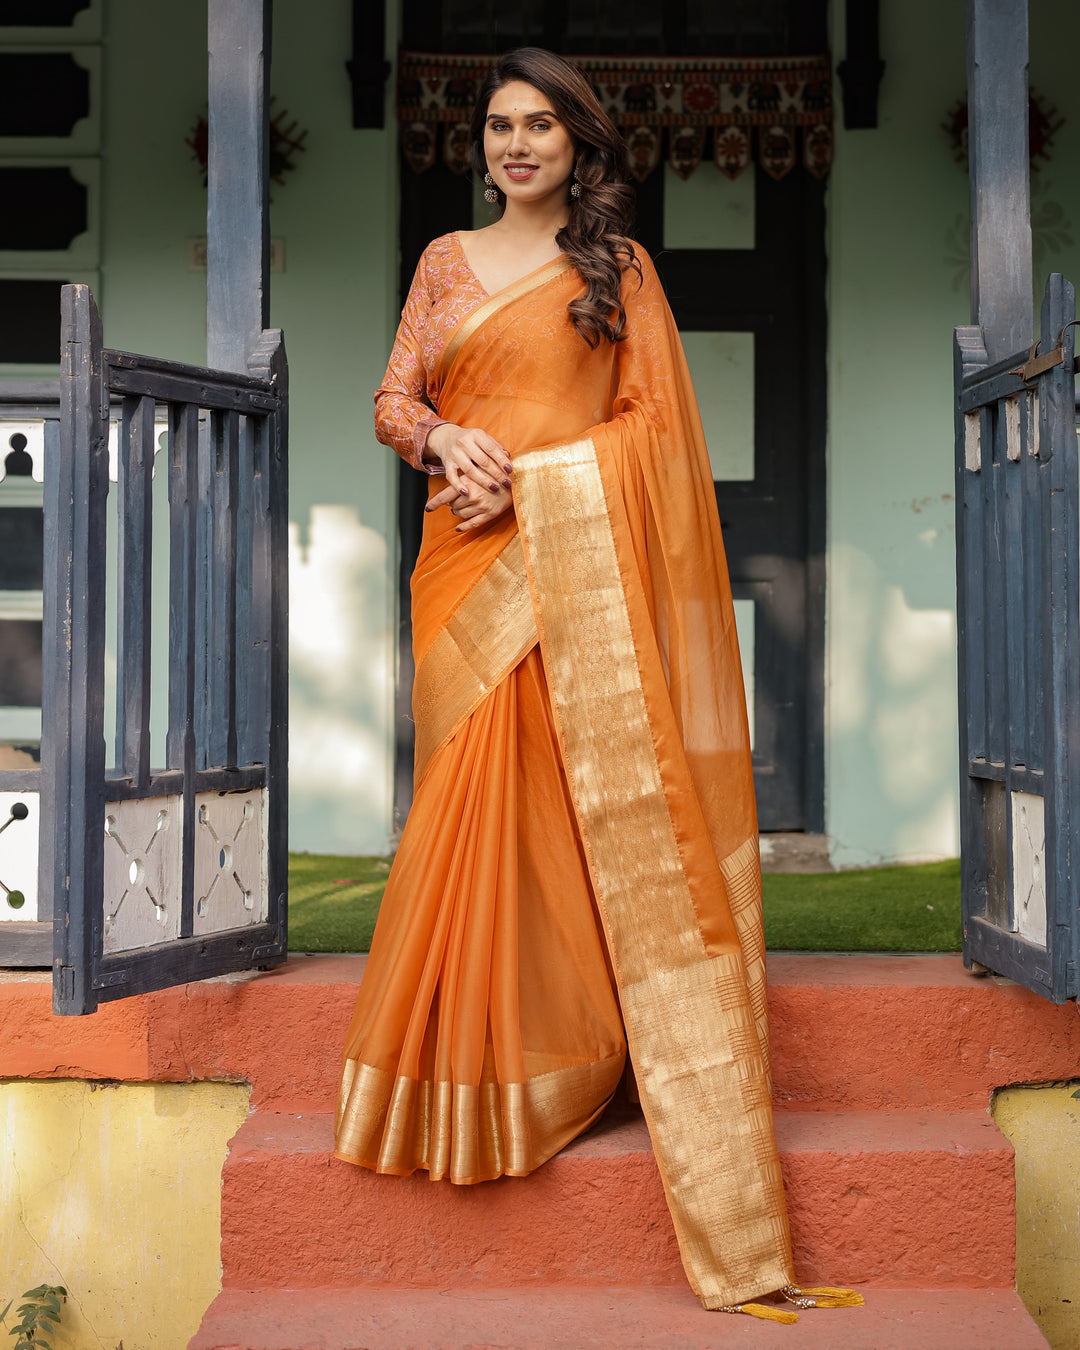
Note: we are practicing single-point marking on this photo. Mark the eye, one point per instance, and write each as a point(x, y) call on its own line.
point(540, 126)
point(498, 126)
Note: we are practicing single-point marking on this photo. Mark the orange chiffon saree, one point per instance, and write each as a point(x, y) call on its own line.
point(579, 871)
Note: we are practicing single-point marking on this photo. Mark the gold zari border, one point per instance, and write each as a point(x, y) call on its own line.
point(689, 1018)
point(466, 1132)
point(472, 322)
point(487, 635)
point(742, 878)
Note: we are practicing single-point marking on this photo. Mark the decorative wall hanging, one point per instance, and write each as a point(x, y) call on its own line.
point(286, 141)
point(1043, 125)
point(686, 105)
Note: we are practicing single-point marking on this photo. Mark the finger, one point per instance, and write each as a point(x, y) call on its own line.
point(461, 473)
point(497, 456)
point(475, 514)
point(453, 476)
point(483, 478)
point(477, 453)
point(443, 498)
point(492, 459)
point(477, 520)
point(475, 464)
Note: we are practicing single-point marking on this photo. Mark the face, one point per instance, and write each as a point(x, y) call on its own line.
point(529, 152)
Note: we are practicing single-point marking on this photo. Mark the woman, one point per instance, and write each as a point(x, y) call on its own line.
point(581, 854)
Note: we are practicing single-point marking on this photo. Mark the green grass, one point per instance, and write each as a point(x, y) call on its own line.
point(333, 903)
point(877, 909)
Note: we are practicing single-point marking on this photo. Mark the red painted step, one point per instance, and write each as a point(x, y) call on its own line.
point(889, 1198)
point(603, 1319)
point(883, 1069)
point(848, 1033)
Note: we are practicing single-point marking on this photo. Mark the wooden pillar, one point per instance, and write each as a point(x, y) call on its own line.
point(237, 212)
point(861, 70)
point(1001, 282)
point(368, 69)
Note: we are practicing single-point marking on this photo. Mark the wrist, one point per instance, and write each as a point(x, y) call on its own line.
point(438, 441)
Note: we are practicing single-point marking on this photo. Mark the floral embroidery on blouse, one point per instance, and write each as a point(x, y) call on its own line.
point(443, 293)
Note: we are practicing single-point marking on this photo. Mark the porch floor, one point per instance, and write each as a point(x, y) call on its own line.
point(604, 1319)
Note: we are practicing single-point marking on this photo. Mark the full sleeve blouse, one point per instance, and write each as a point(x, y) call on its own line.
point(443, 292)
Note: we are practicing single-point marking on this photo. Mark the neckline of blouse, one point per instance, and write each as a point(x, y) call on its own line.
point(456, 236)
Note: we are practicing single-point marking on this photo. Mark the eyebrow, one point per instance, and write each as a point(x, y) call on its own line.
point(502, 117)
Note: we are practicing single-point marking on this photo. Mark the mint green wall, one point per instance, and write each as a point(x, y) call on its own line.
point(153, 200)
point(336, 300)
point(898, 246)
point(890, 655)
point(1055, 186)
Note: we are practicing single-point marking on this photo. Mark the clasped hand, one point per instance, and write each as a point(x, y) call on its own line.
point(477, 472)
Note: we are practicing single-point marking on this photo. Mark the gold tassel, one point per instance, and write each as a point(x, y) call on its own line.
point(761, 1310)
point(824, 1296)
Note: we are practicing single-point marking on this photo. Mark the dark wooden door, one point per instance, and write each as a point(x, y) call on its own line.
point(772, 291)
point(773, 521)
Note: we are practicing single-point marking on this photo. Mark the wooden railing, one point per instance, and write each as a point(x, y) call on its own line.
point(159, 874)
point(32, 408)
point(1018, 611)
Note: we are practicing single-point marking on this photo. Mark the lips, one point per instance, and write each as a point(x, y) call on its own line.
point(520, 173)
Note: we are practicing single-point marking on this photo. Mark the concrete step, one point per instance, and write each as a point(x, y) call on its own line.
point(601, 1319)
point(919, 1199)
point(848, 1033)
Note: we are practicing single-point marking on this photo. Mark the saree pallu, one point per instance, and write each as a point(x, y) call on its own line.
point(583, 839)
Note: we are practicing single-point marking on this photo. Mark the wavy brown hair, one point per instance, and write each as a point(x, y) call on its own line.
point(595, 238)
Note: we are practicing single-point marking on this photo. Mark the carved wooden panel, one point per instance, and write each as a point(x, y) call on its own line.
point(230, 860)
point(18, 856)
point(142, 872)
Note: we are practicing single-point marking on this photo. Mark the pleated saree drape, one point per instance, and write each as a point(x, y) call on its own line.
point(581, 855)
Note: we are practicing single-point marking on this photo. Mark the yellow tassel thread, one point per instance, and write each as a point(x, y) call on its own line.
point(828, 1296)
point(765, 1313)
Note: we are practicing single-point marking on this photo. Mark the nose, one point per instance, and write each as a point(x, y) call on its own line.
point(519, 143)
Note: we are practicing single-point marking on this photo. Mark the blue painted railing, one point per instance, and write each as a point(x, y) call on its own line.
point(1018, 609)
point(226, 462)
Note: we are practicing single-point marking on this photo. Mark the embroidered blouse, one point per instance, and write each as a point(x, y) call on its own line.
point(443, 293)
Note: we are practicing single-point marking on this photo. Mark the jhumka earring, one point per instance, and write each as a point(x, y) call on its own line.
point(575, 189)
point(490, 195)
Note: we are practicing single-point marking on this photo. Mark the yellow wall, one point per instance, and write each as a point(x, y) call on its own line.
point(1043, 1124)
point(114, 1191)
